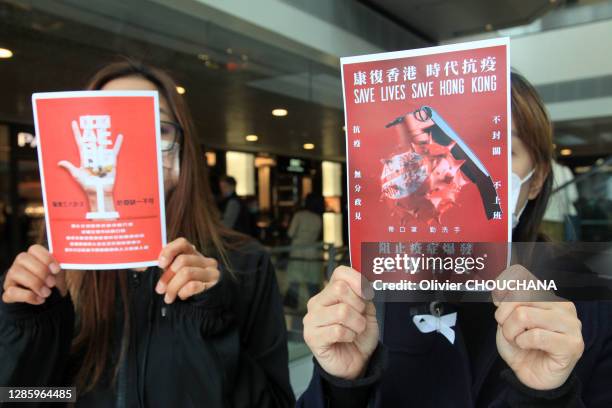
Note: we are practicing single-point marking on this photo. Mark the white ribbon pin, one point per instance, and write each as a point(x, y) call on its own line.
point(427, 323)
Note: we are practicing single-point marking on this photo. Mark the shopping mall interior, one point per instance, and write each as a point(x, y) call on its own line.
point(263, 82)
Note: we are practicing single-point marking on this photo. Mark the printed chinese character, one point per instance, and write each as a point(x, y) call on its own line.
point(487, 64)
point(95, 143)
point(469, 66)
point(452, 67)
point(466, 248)
point(357, 143)
point(432, 248)
point(392, 75)
point(384, 247)
point(496, 151)
point(409, 73)
point(496, 135)
point(376, 76)
point(432, 70)
point(360, 78)
point(448, 248)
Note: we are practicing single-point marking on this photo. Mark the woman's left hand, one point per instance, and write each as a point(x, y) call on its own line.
point(541, 341)
point(186, 271)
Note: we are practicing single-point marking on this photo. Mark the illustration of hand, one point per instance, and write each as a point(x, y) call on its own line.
point(96, 173)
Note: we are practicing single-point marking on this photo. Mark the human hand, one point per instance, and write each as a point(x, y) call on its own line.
point(186, 271)
point(340, 327)
point(32, 276)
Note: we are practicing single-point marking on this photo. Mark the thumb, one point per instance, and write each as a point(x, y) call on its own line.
point(70, 167)
point(361, 286)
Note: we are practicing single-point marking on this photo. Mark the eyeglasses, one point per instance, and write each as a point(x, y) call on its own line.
point(171, 134)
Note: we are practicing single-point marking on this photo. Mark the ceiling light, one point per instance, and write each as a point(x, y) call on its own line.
point(180, 90)
point(308, 146)
point(280, 112)
point(565, 152)
point(489, 27)
point(211, 159)
point(251, 138)
point(5, 53)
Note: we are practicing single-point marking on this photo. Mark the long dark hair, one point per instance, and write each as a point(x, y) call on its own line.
point(535, 130)
point(190, 212)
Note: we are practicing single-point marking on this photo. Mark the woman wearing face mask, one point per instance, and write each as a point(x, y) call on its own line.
point(516, 354)
point(204, 329)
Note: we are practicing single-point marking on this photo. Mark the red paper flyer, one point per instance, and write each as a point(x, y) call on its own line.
point(428, 145)
point(100, 168)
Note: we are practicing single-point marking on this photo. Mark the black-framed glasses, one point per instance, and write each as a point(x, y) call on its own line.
point(171, 134)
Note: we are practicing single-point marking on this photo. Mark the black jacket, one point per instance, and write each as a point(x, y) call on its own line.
point(226, 347)
point(412, 369)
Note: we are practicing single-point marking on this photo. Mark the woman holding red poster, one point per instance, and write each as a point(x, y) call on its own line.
point(205, 328)
point(550, 352)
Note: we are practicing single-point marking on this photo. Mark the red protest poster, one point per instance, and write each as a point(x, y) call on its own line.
point(428, 145)
point(102, 180)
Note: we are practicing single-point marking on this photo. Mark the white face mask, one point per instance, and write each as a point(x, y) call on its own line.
point(515, 190)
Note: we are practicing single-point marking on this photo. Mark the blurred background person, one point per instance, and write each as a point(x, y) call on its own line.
point(305, 257)
point(234, 212)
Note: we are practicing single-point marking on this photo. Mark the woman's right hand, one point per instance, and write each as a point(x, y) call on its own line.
point(32, 276)
point(340, 327)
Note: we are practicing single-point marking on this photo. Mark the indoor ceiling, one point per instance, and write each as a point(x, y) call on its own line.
point(585, 140)
point(232, 82)
point(439, 20)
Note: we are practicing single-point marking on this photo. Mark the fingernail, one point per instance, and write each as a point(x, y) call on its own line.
point(45, 291)
point(163, 262)
point(55, 268)
point(160, 288)
point(50, 281)
point(39, 299)
point(167, 299)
